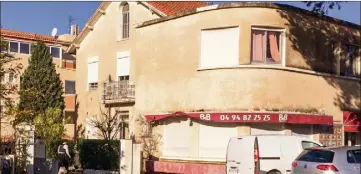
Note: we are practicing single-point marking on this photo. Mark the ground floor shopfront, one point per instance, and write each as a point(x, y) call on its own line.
point(196, 142)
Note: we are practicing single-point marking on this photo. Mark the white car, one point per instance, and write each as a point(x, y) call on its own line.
point(265, 154)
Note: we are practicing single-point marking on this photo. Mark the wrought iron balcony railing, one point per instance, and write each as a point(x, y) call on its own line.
point(118, 92)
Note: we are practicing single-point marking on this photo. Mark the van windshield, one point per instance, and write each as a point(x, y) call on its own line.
point(308, 144)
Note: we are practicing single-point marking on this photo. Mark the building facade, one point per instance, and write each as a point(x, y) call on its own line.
point(213, 72)
point(106, 76)
point(19, 45)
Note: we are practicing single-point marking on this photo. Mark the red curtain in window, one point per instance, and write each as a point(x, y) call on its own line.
point(274, 47)
point(258, 46)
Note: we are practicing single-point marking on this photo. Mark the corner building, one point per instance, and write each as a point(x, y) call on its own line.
point(206, 73)
point(245, 69)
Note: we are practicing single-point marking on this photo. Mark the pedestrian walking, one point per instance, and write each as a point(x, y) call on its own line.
point(64, 156)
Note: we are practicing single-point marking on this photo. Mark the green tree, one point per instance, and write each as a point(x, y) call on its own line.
point(40, 86)
point(51, 128)
point(322, 7)
point(8, 65)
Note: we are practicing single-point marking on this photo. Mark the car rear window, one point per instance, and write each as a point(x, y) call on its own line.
point(321, 156)
point(354, 156)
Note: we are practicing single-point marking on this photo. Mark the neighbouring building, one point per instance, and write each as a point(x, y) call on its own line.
point(208, 73)
point(106, 78)
point(19, 45)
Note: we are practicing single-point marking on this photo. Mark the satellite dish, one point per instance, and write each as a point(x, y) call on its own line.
point(54, 31)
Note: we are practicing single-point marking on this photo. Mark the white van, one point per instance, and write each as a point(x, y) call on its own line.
point(265, 154)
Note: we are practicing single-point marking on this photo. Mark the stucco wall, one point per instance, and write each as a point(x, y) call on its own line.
point(102, 42)
point(168, 79)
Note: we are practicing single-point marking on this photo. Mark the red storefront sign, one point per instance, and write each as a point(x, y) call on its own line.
point(351, 121)
point(247, 117)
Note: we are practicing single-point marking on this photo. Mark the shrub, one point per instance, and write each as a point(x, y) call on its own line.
point(99, 154)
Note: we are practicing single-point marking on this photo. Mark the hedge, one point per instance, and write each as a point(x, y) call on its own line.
point(99, 154)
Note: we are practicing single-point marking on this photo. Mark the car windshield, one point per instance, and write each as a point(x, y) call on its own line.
point(354, 156)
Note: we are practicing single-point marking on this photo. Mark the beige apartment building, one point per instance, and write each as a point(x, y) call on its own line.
point(20, 47)
point(208, 73)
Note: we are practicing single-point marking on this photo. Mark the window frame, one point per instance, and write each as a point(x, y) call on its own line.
point(125, 24)
point(67, 119)
point(65, 87)
point(357, 52)
point(7, 47)
point(200, 59)
point(28, 48)
point(18, 49)
point(282, 44)
point(93, 85)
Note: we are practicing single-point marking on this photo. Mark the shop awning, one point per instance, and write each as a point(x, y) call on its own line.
point(351, 121)
point(249, 117)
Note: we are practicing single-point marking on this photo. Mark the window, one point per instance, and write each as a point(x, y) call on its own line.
point(2, 78)
point(267, 46)
point(354, 156)
point(123, 64)
point(93, 73)
point(69, 117)
point(219, 48)
point(4, 45)
point(350, 64)
point(307, 144)
point(14, 47)
point(213, 140)
point(176, 139)
point(69, 87)
point(125, 21)
point(93, 86)
point(12, 78)
point(2, 110)
point(123, 78)
point(55, 52)
point(24, 48)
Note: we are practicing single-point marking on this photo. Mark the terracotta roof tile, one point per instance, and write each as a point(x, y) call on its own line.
point(173, 7)
point(28, 36)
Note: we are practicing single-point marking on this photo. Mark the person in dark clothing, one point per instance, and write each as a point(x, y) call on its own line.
point(64, 156)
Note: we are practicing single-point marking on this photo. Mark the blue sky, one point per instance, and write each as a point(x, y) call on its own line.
point(41, 17)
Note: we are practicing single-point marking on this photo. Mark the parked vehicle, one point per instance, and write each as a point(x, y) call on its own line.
point(338, 160)
point(264, 154)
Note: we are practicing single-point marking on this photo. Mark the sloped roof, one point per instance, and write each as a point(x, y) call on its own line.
point(30, 36)
point(173, 7)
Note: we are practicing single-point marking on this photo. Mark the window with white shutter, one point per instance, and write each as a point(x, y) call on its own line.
point(213, 141)
point(219, 48)
point(93, 73)
point(123, 63)
point(176, 139)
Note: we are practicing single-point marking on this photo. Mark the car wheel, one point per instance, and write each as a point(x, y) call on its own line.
point(274, 172)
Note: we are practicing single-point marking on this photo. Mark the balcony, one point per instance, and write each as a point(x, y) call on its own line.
point(118, 92)
point(70, 102)
point(69, 64)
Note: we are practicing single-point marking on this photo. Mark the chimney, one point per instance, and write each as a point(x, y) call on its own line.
point(74, 30)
